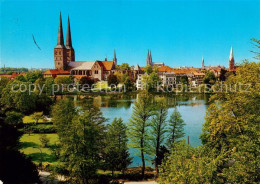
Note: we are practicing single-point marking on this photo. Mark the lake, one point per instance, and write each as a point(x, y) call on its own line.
point(191, 106)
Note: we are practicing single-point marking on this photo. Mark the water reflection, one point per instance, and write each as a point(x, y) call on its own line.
point(192, 108)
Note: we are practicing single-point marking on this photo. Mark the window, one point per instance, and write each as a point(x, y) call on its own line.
point(96, 71)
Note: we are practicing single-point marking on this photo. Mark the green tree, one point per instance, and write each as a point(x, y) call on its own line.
point(124, 66)
point(62, 114)
point(209, 78)
point(117, 155)
point(3, 83)
point(139, 124)
point(176, 130)
point(33, 76)
point(112, 80)
point(158, 131)
point(14, 118)
point(231, 130)
point(186, 164)
point(16, 96)
point(44, 140)
point(82, 151)
point(88, 82)
point(37, 116)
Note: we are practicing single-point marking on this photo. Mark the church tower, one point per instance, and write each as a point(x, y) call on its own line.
point(70, 50)
point(202, 66)
point(60, 55)
point(149, 58)
point(115, 59)
point(231, 60)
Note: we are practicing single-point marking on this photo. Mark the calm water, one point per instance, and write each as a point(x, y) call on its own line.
point(192, 108)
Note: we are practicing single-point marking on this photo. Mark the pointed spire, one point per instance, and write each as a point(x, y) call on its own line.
point(231, 60)
point(231, 54)
point(148, 58)
point(203, 62)
point(115, 59)
point(68, 37)
point(151, 61)
point(60, 41)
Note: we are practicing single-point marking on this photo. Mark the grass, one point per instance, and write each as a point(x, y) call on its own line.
point(31, 146)
point(29, 119)
point(102, 85)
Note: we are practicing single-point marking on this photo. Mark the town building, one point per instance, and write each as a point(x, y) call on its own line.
point(64, 60)
point(149, 60)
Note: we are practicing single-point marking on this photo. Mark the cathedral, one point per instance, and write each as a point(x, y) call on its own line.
point(64, 60)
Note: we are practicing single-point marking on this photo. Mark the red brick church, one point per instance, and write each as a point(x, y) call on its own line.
point(65, 64)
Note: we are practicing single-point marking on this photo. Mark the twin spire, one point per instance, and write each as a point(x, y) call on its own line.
point(60, 40)
point(149, 58)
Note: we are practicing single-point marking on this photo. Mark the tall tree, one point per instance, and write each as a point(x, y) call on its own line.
point(62, 115)
point(176, 130)
point(138, 125)
point(158, 131)
point(82, 151)
point(117, 155)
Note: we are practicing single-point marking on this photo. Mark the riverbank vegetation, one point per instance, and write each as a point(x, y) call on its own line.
point(79, 145)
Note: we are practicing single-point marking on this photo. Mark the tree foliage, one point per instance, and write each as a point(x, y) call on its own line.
point(158, 131)
point(116, 152)
point(138, 125)
point(176, 130)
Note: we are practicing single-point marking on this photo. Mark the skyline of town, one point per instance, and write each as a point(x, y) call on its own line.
point(176, 41)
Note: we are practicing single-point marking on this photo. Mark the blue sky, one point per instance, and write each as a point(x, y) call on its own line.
point(178, 33)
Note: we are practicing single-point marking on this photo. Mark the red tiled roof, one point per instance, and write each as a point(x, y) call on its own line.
point(56, 72)
point(165, 69)
point(108, 65)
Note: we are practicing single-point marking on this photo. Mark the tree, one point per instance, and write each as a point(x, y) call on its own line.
point(158, 131)
point(124, 66)
point(87, 82)
point(62, 114)
point(37, 116)
point(14, 118)
point(112, 80)
point(81, 152)
point(151, 80)
point(186, 164)
point(117, 155)
point(176, 130)
point(15, 167)
point(138, 125)
point(209, 78)
point(231, 130)
point(222, 76)
point(16, 96)
point(33, 76)
point(148, 69)
point(44, 140)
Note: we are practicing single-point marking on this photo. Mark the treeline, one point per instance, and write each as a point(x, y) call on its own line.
point(231, 147)
point(10, 70)
point(87, 145)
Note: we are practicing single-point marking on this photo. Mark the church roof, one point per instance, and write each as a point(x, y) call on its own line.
point(107, 65)
point(60, 40)
point(56, 72)
point(81, 65)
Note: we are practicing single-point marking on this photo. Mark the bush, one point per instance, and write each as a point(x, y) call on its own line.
point(44, 140)
point(40, 128)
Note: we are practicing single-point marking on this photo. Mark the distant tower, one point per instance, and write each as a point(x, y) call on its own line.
point(70, 50)
point(151, 61)
point(149, 58)
point(231, 60)
point(202, 66)
point(106, 58)
point(115, 59)
point(60, 55)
